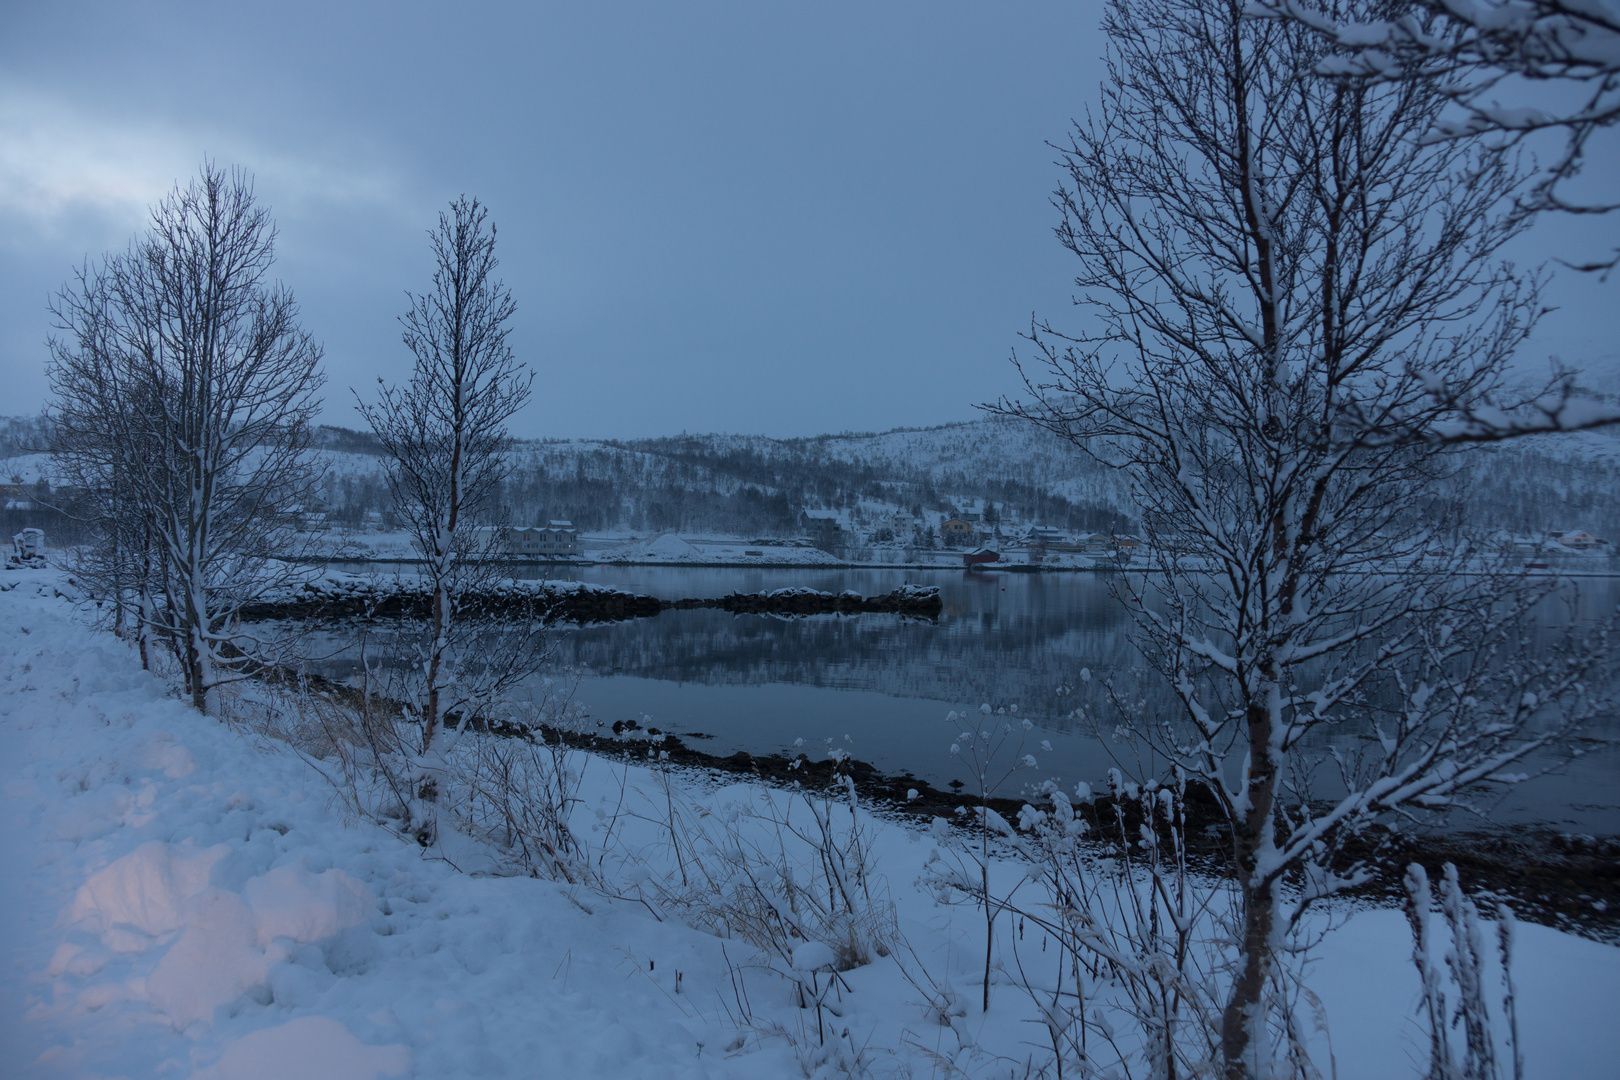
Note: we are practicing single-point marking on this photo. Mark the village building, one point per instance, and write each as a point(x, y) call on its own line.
point(1514, 544)
point(1045, 536)
point(823, 528)
point(1042, 540)
point(955, 532)
point(1552, 543)
point(20, 496)
point(1106, 543)
point(1579, 541)
point(554, 540)
point(1093, 544)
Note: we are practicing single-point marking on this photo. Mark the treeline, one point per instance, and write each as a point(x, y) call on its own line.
point(21, 435)
point(1531, 490)
point(757, 486)
point(750, 485)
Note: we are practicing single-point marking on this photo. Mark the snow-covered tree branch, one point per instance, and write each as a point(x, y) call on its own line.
point(1494, 61)
point(184, 391)
point(1272, 266)
point(446, 437)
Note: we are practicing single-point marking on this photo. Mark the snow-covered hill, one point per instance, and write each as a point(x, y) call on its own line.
point(741, 485)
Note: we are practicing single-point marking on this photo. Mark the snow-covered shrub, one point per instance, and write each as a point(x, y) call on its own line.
point(518, 793)
point(993, 752)
point(1141, 938)
point(785, 871)
point(506, 785)
point(791, 873)
point(347, 739)
point(1465, 956)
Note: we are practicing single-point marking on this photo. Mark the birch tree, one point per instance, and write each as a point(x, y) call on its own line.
point(93, 443)
point(1494, 61)
point(1292, 304)
point(184, 389)
point(446, 437)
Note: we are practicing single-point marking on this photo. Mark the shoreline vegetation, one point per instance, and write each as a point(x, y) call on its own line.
point(1566, 881)
point(1563, 880)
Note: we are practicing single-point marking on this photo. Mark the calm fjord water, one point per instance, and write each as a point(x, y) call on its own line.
point(881, 686)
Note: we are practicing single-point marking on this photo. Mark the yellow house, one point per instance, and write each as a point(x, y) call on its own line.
point(954, 531)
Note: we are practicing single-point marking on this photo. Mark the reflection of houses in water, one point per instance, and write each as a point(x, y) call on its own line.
point(554, 540)
point(1017, 646)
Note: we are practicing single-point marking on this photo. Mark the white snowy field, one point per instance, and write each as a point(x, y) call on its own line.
point(668, 548)
point(184, 898)
point(661, 549)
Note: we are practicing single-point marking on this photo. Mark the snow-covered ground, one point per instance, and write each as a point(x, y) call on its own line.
point(682, 550)
point(183, 898)
point(659, 549)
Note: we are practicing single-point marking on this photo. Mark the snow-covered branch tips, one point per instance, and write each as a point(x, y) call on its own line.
point(184, 390)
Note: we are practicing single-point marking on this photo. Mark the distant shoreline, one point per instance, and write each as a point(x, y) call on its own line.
point(1005, 568)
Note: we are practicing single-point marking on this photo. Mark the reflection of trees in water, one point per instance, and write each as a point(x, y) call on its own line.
point(1020, 656)
point(990, 645)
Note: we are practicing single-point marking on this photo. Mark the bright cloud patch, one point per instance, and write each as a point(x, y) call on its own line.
point(57, 160)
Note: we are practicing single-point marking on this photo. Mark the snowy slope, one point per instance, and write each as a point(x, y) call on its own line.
point(186, 899)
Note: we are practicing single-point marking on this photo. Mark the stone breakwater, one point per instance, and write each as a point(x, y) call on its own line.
point(570, 602)
point(917, 600)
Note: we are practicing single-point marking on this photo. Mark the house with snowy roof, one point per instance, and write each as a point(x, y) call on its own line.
point(824, 527)
point(1580, 540)
point(557, 539)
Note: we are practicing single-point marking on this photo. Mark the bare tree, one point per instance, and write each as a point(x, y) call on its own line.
point(93, 440)
point(1474, 53)
point(1274, 268)
point(184, 388)
point(445, 433)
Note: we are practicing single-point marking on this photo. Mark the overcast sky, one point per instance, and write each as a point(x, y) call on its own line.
point(754, 217)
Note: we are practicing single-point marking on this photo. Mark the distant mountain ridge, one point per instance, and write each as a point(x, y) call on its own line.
point(755, 485)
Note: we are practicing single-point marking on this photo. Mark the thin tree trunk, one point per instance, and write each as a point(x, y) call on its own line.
point(430, 714)
point(1242, 1018)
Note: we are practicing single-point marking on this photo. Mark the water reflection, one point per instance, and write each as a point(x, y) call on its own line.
point(760, 683)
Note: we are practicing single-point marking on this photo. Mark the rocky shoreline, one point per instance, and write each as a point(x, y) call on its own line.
point(1567, 881)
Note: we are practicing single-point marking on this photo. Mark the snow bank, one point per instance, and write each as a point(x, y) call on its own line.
point(309, 1048)
point(184, 901)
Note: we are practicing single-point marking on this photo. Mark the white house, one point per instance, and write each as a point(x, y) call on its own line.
point(1580, 540)
point(554, 540)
